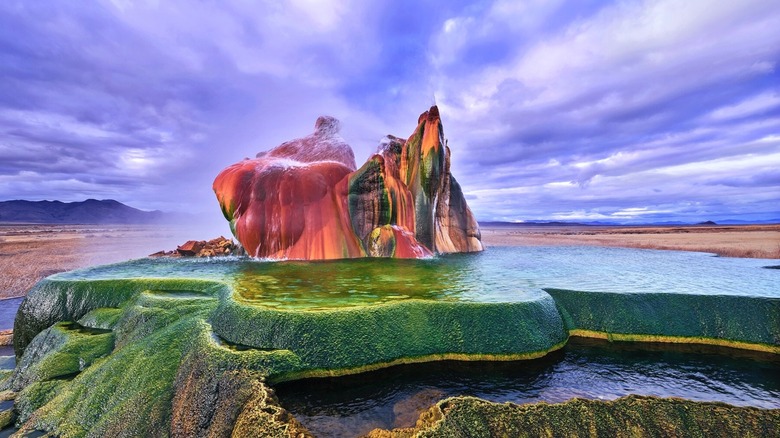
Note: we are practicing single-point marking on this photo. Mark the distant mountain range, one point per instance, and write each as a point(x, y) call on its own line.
point(612, 224)
point(109, 211)
point(91, 211)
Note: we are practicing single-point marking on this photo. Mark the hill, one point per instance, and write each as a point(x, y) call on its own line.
point(91, 211)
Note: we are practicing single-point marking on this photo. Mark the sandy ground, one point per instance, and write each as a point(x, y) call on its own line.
point(754, 241)
point(29, 253)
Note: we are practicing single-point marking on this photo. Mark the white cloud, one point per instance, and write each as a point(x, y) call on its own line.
point(578, 215)
point(284, 40)
point(643, 101)
point(633, 53)
point(723, 166)
point(651, 106)
point(750, 106)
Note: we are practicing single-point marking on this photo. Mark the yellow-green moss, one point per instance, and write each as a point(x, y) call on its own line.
point(623, 337)
point(6, 418)
point(60, 351)
point(278, 378)
point(630, 416)
point(102, 318)
point(366, 337)
point(165, 348)
point(736, 320)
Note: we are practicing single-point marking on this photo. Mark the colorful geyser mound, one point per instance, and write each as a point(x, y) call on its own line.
point(305, 199)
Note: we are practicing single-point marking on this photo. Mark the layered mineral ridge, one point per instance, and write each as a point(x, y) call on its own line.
point(305, 199)
point(190, 347)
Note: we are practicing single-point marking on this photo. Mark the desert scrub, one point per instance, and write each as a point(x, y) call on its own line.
point(21, 263)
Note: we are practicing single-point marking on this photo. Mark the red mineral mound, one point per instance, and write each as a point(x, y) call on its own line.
point(305, 200)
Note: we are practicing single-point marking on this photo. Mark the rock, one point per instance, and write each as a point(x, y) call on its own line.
point(190, 248)
point(7, 416)
point(6, 337)
point(408, 410)
point(61, 350)
point(659, 317)
point(625, 417)
point(283, 208)
point(214, 402)
point(444, 223)
point(201, 248)
point(325, 144)
point(305, 199)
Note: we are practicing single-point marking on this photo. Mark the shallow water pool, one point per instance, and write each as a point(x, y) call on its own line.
point(394, 397)
point(8, 309)
point(501, 274)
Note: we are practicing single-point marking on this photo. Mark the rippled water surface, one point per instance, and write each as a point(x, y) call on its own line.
point(394, 397)
point(8, 309)
point(502, 274)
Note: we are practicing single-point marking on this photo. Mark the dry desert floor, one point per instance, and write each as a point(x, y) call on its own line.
point(753, 241)
point(31, 252)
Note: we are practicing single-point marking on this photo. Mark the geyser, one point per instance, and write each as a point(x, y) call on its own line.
point(305, 199)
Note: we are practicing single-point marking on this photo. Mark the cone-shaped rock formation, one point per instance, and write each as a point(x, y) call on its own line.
point(305, 199)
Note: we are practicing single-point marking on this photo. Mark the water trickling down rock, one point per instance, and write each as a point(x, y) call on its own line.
point(305, 199)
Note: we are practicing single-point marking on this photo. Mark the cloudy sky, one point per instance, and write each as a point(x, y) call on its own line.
point(630, 111)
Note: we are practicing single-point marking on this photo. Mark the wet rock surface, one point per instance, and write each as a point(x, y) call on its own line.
point(305, 199)
point(625, 417)
point(151, 352)
point(209, 401)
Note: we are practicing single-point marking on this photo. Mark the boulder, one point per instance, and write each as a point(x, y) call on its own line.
point(220, 246)
point(6, 337)
point(190, 248)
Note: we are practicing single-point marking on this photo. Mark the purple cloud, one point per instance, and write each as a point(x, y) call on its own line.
point(628, 111)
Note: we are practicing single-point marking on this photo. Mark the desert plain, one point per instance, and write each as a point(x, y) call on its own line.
point(29, 253)
point(752, 241)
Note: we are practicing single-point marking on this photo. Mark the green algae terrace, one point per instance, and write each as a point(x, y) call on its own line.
point(348, 316)
point(170, 329)
point(611, 290)
point(544, 293)
point(502, 274)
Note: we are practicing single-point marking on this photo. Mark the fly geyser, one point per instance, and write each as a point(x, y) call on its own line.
point(305, 199)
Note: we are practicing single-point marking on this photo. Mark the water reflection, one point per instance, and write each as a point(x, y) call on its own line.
point(314, 285)
point(353, 405)
point(504, 274)
point(8, 309)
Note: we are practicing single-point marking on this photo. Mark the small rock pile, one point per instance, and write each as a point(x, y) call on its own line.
point(202, 248)
point(6, 337)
